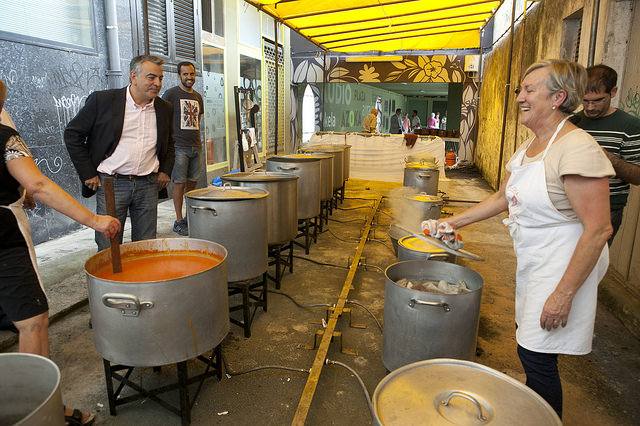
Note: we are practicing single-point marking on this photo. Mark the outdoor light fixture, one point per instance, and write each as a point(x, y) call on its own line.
point(396, 58)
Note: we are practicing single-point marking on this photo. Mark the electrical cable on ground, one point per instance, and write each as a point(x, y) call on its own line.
point(342, 239)
point(347, 221)
point(320, 263)
point(231, 372)
point(355, 302)
point(301, 305)
point(355, 208)
point(364, 388)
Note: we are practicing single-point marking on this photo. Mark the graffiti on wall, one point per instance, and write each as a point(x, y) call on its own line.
point(412, 69)
point(631, 102)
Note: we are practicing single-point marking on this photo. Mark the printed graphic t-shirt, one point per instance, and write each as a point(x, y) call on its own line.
point(187, 111)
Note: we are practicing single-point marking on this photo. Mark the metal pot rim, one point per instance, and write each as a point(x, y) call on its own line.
point(156, 282)
point(436, 263)
point(259, 177)
point(287, 159)
point(46, 361)
point(251, 193)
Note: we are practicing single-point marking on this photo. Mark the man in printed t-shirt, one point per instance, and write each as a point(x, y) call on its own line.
point(617, 132)
point(187, 113)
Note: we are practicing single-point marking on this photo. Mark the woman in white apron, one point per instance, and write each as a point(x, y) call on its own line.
point(556, 192)
point(22, 299)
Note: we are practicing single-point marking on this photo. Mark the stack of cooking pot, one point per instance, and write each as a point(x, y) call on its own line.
point(282, 202)
point(421, 325)
point(456, 392)
point(235, 217)
point(147, 324)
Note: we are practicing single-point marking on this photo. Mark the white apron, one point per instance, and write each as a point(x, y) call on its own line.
point(23, 224)
point(544, 240)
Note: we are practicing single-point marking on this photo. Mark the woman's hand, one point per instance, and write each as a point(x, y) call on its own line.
point(109, 226)
point(555, 312)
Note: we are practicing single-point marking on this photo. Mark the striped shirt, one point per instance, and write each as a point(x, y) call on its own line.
point(619, 134)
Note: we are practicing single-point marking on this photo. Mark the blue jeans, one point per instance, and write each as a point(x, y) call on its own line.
point(139, 197)
point(543, 376)
point(187, 164)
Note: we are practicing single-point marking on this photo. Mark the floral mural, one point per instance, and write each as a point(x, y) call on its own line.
point(412, 69)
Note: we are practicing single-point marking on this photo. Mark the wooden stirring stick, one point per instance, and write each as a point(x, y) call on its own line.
point(110, 198)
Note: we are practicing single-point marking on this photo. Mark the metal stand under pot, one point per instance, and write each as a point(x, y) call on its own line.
point(236, 217)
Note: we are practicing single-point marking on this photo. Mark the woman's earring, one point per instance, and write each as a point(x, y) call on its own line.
point(553, 107)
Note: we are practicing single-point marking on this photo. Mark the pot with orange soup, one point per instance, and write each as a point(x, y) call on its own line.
point(169, 304)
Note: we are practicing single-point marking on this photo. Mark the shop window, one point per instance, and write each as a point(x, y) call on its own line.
point(66, 24)
point(215, 130)
point(171, 29)
point(571, 32)
point(213, 16)
point(249, 24)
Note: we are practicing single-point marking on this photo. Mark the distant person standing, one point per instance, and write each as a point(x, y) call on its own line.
point(437, 125)
point(415, 120)
point(188, 108)
point(406, 123)
point(395, 127)
point(431, 121)
point(370, 122)
point(617, 132)
point(443, 123)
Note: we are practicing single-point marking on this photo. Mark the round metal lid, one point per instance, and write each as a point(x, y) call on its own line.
point(425, 198)
point(324, 148)
point(258, 177)
point(421, 165)
point(416, 244)
point(227, 193)
point(294, 158)
point(451, 391)
point(318, 154)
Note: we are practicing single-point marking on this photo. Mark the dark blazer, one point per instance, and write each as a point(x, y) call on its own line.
point(93, 134)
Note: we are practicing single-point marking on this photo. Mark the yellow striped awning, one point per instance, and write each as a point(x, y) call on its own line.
point(355, 26)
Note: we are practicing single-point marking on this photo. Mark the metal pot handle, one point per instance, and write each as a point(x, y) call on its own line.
point(414, 302)
point(286, 169)
point(424, 175)
point(211, 209)
point(442, 255)
point(468, 397)
point(129, 305)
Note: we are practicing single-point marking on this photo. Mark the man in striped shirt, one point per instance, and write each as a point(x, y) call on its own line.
point(617, 132)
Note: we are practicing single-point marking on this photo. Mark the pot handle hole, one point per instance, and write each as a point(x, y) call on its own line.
point(287, 169)
point(212, 210)
point(424, 175)
point(444, 306)
point(128, 304)
point(468, 397)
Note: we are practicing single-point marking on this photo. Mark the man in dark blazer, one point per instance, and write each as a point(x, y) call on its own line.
point(126, 134)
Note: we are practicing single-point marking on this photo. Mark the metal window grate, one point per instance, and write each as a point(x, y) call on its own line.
point(269, 54)
point(184, 27)
point(157, 27)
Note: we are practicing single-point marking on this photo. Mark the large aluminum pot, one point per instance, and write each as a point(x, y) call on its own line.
point(308, 169)
point(347, 162)
point(456, 392)
point(413, 248)
point(235, 217)
point(30, 391)
point(420, 325)
point(338, 161)
point(326, 172)
point(423, 177)
point(426, 206)
point(282, 222)
point(146, 324)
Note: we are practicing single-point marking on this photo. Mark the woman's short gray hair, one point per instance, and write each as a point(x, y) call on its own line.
point(136, 63)
point(564, 75)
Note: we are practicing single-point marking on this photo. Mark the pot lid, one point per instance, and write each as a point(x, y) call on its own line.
point(294, 158)
point(440, 244)
point(425, 198)
point(258, 177)
point(227, 193)
point(451, 391)
point(324, 148)
point(416, 244)
point(426, 165)
point(318, 154)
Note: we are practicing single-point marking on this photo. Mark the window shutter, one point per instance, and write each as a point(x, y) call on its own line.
point(183, 17)
point(157, 27)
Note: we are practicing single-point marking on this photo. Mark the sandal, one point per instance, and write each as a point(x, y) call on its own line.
point(75, 419)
